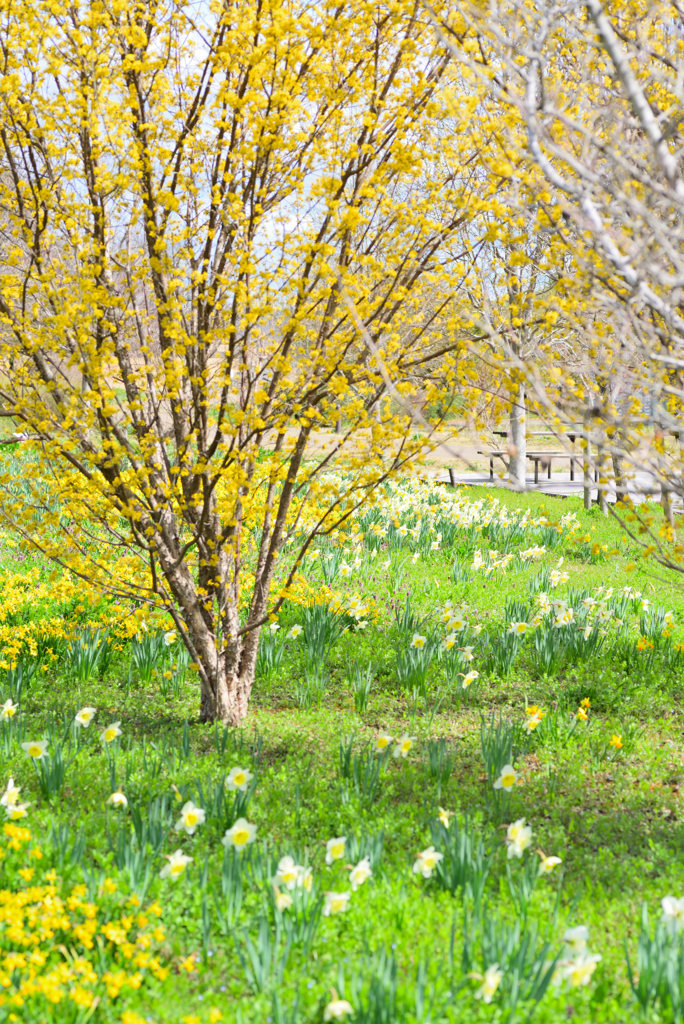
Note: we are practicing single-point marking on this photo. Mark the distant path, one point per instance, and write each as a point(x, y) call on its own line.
point(641, 488)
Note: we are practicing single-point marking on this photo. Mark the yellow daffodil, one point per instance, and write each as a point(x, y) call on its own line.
point(360, 874)
point(534, 720)
point(111, 732)
point(240, 835)
point(426, 862)
point(16, 811)
point(36, 749)
point(582, 714)
point(334, 849)
point(507, 779)
point(616, 741)
point(239, 778)
point(8, 710)
point(85, 716)
point(335, 903)
point(190, 818)
point(178, 862)
point(403, 746)
point(586, 703)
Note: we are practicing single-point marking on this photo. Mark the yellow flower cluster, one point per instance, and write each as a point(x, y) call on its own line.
point(46, 938)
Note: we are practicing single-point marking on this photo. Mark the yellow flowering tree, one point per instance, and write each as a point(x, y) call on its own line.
point(214, 248)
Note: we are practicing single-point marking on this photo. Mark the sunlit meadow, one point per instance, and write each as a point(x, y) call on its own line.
point(456, 795)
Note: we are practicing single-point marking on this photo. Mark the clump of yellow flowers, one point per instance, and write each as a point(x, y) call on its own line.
point(58, 947)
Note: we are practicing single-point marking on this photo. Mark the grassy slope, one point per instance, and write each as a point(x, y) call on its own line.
point(616, 825)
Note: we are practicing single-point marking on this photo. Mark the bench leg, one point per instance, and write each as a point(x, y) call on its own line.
point(536, 471)
point(572, 468)
point(549, 473)
point(491, 469)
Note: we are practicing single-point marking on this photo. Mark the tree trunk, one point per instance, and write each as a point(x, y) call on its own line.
point(620, 489)
point(226, 681)
point(518, 443)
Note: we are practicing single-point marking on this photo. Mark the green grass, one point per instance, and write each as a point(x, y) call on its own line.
point(614, 819)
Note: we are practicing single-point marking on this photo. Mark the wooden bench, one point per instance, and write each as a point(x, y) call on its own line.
point(537, 457)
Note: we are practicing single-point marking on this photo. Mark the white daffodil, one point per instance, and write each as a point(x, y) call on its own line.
point(579, 971)
point(547, 864)
point(117, 799)
point(16, 811)
point(282, 900)
point(274, 627)
point(295, 631)
point(404, 745)
point(288, 873)
point(111, 733)
point(457, 623)
point(170, 637)
point(444, 817)
point(305, 879)
point(11, 795)
point(36, 749)
point(426, 862)
point(240, 835)
point(576, 939)
point(507, 779)
point(519, 628)
point(478, 629)
point(8, 710)
point(490, 983)
point(449, 641)
point(85, 716)
point(337, 1009)
point(673, 910)
point(360, 874)
point(415, 556)
point(467, 653)
point(239, 778)
point(334, 849)
point(418, 641)
point(518, 838)
point(335, 903)
point(469, 678)
point(178, 862)
point(190, 818)
point(382, 742)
